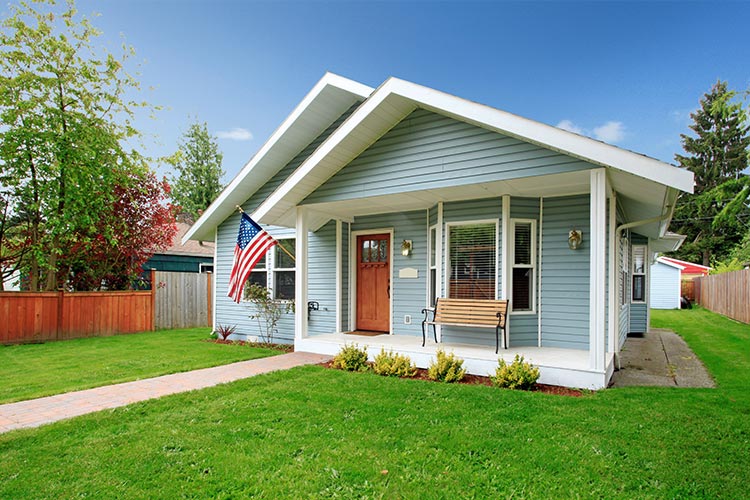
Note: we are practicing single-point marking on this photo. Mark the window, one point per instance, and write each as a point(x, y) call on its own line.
point(283, 270)
point(623, 272)
point(523, 262)
point(472, 255)
point(206, 268)
point(432, 284)
point(639, 273)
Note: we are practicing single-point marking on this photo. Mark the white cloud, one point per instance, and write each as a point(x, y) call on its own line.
point(236, 134)
point(610, 132)
point(570, 127)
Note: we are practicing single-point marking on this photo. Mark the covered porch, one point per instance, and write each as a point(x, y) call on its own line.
point(557, 366)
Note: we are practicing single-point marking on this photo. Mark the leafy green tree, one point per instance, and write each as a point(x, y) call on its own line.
point(197, 163)
point(714, 218)
point(64, 119)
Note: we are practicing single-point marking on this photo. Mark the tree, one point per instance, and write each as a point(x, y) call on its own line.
point(198, 165)
point(714, 218)
point(63, 122)
point(141, 222)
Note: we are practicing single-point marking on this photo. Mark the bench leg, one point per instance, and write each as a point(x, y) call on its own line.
point(497, 339)
point(434, 332)
point(423, 334)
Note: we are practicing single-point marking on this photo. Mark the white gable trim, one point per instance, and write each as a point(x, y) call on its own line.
point(662, 260)
point(270, 157)
point(396, 98)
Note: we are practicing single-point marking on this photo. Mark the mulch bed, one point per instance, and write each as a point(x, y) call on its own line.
point(262, 345)
point(479, 380)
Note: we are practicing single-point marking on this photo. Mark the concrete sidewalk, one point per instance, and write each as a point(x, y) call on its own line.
point(36, 412)
point(660, 358)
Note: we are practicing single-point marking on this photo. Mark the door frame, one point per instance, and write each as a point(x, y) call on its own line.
point(353, 274)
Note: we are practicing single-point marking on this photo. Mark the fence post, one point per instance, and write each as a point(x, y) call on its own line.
point(153, 299)
point(210, 296)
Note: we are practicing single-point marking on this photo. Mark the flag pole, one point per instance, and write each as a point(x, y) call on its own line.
point(278, 244)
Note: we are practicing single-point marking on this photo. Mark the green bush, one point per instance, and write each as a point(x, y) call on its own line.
point(351, 358)
point(517, 375)
point(393, 365)
point(447, 368)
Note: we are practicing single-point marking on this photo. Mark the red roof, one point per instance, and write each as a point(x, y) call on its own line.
point(689, 267)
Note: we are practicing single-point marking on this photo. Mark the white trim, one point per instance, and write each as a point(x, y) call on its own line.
point(539, 279)
point(338, 275)
point(505, 214)
point(223, 206)
point(440, 244)
point(633, 274)
point(448, 225)
point(301, 274)
point(597, 274)
point(216, 261)
point(532, 266)
point(407, 96)
point(353, 273)
point(666, 262)
point(430, 267)
point(675, 261)
point(613, 311)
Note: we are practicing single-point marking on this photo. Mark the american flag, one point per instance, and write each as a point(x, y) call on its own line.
point(252, 244)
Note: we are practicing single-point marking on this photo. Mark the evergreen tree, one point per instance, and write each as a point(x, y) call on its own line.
point(199, 173)
point(713, 219)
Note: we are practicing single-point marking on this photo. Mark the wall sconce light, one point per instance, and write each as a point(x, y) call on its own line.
point(406, 248)
point(575, 238)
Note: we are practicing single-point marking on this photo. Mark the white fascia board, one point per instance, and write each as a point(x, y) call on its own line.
point(225, 203)
point(670, 264)
point(295, 189)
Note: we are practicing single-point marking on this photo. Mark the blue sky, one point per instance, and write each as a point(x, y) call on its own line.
point(628, 73)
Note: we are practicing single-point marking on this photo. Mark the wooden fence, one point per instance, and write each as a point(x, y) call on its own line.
point(687, 290)
point(183, 300)
point(727, 294)
point(178, 300)
point(42, 316)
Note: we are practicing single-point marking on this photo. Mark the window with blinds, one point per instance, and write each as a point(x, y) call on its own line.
point(523, 265)
point(472, 254)
point(433, 265)
point(639, 273)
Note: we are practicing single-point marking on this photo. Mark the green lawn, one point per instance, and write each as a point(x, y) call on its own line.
point(316, 433)
point(36, 370)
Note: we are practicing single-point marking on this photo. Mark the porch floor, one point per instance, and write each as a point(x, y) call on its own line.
point(566, 367)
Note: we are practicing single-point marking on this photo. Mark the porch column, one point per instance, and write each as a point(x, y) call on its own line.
point(614, 306)
point(338, 275)
point(597, 272)
point(300, 283)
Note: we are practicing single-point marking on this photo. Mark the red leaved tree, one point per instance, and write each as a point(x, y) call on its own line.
point(112, 251)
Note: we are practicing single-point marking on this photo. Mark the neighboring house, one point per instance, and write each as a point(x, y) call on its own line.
point(666, 284)
point(689, 270)
point(188, 257)
point(487, 201)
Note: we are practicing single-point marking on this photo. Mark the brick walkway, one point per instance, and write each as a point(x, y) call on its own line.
point(36, 412)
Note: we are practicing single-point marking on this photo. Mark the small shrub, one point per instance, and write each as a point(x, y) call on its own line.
point(213, 336)
point(517, 375)
point(447, 368)
point(393, 365)
point(351, 358)
point(224, 331)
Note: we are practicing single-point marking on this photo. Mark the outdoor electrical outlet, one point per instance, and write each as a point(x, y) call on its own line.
point(407, 319)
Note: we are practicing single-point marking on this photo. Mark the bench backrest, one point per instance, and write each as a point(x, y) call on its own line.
point(471, 311)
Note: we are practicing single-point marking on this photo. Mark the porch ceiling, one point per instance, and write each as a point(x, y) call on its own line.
point(639, 199)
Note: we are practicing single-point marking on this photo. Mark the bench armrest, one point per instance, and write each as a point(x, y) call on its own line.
point(426, 311)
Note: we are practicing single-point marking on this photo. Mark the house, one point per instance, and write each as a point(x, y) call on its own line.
point(665, 279)
point(189, 256)
point(689, 270)
point(393, 196)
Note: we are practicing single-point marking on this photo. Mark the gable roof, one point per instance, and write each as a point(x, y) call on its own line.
point(688, 267)
point(662, 260)
point(323, 105)
point(396, 98)
point(192, 248)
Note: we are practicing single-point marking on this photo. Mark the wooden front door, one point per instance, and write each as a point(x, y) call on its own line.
point(374, 282)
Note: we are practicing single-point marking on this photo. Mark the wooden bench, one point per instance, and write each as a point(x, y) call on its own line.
point(468, 313)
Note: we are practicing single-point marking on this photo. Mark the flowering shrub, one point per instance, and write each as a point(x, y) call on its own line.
point(517, 375)
point(393, 365)
point(447, 368)
point(351, 358)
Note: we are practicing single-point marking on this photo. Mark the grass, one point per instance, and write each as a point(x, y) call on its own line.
point(316, 433)
point(36, 370)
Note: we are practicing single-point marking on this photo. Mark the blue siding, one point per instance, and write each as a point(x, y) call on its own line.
point(228, 312)
point(429, 151)
point(524, 327)
point(322, 279)
point(409, 294)
point(565, 274)
point(624, 326)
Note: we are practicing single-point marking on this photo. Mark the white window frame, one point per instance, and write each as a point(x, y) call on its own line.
point(258, 269)
point(446, 269)
point(633, 274)
point(430, 266)
point(624, 274)
point(272, 269)
point(532, 266)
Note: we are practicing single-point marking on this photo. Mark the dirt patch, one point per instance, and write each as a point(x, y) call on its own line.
point(261, 345)
point(479, 380)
